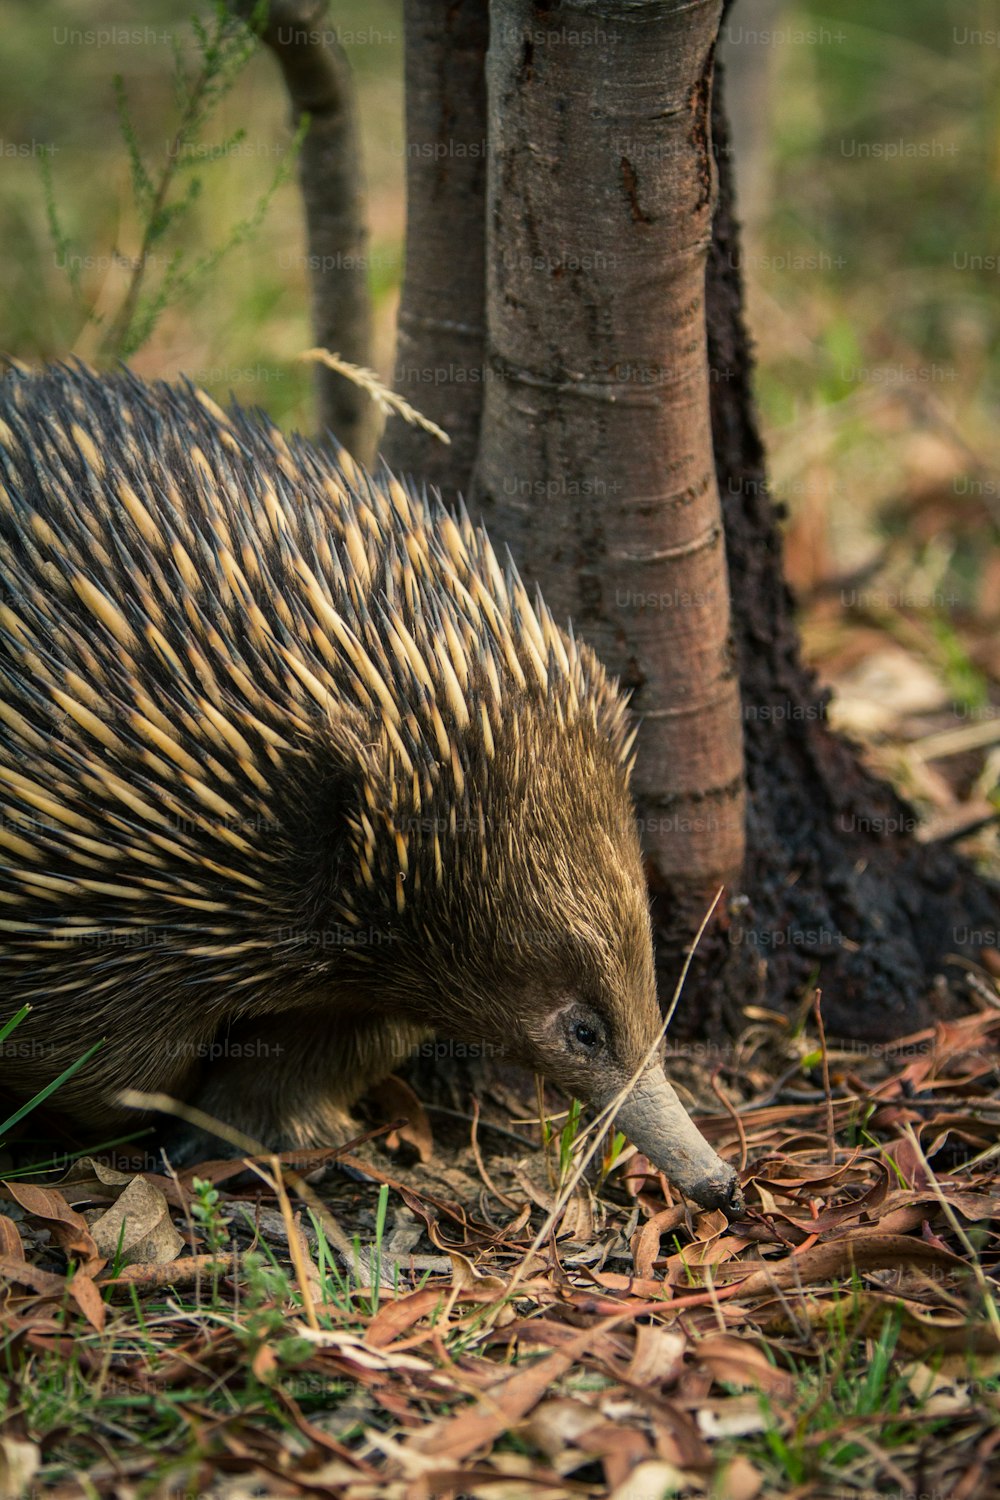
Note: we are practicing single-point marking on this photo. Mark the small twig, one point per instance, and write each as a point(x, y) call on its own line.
point(985, 991)
point(294, 1237)
point(510, 1135)
point(322, 94)
point(175, 1272)
point(990, 1154)
point(478, 1156)
point(958, 1231)
point(731, 1111)
point(957, 741)
point(883, 1460)
point(831, 1144)
point(116, 335)
point(712, 1291)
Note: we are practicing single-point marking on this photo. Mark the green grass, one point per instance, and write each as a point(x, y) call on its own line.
point(851, 1398)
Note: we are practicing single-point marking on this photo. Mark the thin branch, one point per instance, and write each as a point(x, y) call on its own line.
point(321, 90)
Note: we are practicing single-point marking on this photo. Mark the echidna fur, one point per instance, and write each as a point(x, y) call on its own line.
point(292, 770)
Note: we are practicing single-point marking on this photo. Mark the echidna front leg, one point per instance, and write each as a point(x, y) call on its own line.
point(289, 1081)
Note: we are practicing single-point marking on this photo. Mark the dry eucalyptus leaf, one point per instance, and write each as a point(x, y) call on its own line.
point(736, 1416)
point(467, 1278)
point(557, 1426)
point(394, 1099)
point(137, 1228)
point(658, 1355)
point(18, 1465)
point(88, 1178)
point(67, 1227)
point(654, 1479)
point(739, 1480)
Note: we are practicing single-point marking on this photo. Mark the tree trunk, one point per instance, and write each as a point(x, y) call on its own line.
point(318, 79)
point(439, 352)
point(840, 890)
point(595, 461)
point(596, 467)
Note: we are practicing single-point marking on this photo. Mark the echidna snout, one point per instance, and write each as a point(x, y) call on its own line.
point(590, 1019)
point(291, 770)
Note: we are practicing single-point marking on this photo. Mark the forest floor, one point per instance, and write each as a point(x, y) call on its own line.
point(480, 1333)
point(161, 1336)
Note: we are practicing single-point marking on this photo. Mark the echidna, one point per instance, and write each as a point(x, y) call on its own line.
point(292, 770)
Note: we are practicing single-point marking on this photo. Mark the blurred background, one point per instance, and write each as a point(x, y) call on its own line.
point(867, 138)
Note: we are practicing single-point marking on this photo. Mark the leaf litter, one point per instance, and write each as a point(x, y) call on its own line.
point(841, 1339)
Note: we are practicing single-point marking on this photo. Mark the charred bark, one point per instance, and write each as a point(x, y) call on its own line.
point(596, 467)
point(439, 350)
point(595, 462)
point(840, 891)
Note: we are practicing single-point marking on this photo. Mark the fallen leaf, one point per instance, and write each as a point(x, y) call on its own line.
point(88, 1299)
point(11, 1245)
point(395, 1100)
point(19, 1463)
point(655, 1479)
point(739, 1362)
point(467, 1279)
point(504, 1406)
point(738, 1480)
point(68, 1228)
point(393, 1318)
point(646, 1241)
point(737, 1416)
point(657, 1357)
point(838, 1258)
point(137, 1228)
point(22, 1273)
point(558, 1426)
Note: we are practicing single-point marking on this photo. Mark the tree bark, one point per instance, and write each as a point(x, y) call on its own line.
point(841, 892)
point(439, 353)
point(318, 79)
point(596, 466)
point(595, 461)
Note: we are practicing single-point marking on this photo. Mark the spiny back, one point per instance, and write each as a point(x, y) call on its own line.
point(189, 605)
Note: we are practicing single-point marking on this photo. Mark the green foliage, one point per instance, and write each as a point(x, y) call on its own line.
point(237, 328)
point(164, 194)
point(610, 1159)
point(968, 685)
point(264, 1315)
point(843, 353)
point(567, 1140)
point(882, 265)
point(852, 1387)
point(206, 1211)
point(116, 1259)
point(383, 1203)
point(341, 1288)
point(65, 251)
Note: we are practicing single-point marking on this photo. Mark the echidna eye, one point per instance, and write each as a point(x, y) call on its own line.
point(585, 1035)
